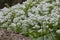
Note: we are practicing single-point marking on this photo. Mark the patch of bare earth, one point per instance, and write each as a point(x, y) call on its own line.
point(9, 35)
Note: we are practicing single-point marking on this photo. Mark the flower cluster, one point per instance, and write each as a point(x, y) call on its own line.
point(33, 17)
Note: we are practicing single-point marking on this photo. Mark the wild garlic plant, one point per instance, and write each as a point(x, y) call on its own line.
point(33, 18)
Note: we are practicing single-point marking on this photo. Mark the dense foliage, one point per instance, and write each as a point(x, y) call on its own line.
point(38, 19)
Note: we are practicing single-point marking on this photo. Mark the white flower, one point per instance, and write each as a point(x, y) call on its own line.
point(13, 25)
point(6, 10)
point(50, 30)
point(2, 20)
point(57, 1)
point(1, 13)
point(40, 30)
point(58, 31)
point(15, 20)
point(30, 14)
point(18, 24)
point(21, 12)
point(4, 25)
point(37, 26)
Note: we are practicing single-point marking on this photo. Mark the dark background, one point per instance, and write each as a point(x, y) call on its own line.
point(9, 2)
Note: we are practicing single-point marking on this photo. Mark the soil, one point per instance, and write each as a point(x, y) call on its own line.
point(9, 35)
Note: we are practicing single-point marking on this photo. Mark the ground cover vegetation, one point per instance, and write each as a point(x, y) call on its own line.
point(38, 19)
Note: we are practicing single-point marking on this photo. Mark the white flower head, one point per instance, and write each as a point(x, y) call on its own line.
point(58, 31)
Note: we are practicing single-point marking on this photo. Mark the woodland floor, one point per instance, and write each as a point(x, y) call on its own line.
point(9, 35)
